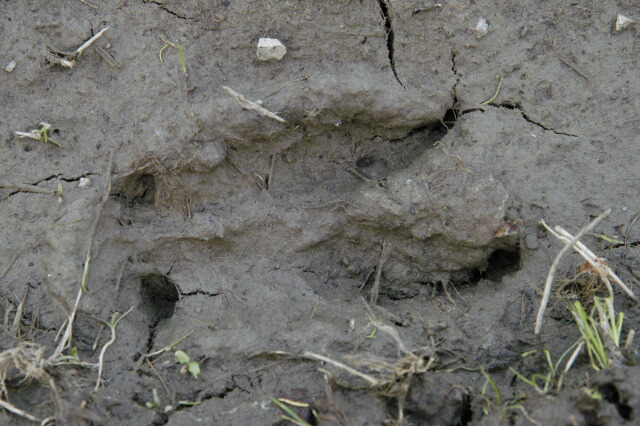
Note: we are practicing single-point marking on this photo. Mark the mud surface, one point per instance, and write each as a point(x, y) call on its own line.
point(264, 238)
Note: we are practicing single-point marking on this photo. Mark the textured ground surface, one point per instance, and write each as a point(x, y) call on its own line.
point(260, 236)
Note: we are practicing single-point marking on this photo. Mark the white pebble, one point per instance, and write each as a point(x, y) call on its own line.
point(270, 49)
point(10, 66)
point(84, 182)
point(482, 28)
point(622, 22)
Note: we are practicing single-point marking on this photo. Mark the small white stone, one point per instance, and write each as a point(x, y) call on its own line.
point(84, 182)
point(482, 28)
point(622, 22)
point(270, 49)
point(10, 66)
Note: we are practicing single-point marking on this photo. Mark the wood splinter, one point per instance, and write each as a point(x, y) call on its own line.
point(247, 104)
point(376, 284)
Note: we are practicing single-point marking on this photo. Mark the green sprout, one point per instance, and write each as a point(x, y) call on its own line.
point(494, 97)
point(59, 192)
point(156, 400)
point(161, 52)
point(612, 240)
point(176, 46)
point(191, 366)
point(168, 347)
point(504, 406)
point(41, 134)
point(496, 390)
point(181, 53)
point(602, 334)
point(543, 383)
point(373, 334)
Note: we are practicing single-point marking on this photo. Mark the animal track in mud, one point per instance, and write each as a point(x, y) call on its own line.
point(137, 190)
point(159, 296)
point(502, 263)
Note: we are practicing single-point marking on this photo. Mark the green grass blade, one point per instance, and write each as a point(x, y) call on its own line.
point(295, 418)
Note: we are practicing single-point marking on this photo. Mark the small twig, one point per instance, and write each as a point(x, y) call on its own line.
point(600, 265)
point(64, 342)
point(114, 302)
point(96, 342)
point(626, 231)
point(385, 328)
point(419, 9)
point(629, 340)
point(270, 179)
point(18, 318)
point(107, 57)
point(168, 42)
point(68, 59)
point(164, 385)
point(15, 410)
point(247, 104)
point(573, 67)
point(371, 380)
point(66, 337)
point(359, 175)
point(313, 312)
point(6, 270)
point(89, 4)
point(76, 53)
point(376, 283)
point(556, 263)
point(167, 348)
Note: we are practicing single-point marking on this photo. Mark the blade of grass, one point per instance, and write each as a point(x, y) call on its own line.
point(295, 418)
point(493, 385)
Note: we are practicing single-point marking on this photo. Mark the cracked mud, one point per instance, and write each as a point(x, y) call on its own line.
point(264, 242)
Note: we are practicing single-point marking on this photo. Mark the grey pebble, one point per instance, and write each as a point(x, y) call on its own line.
point(531, 242)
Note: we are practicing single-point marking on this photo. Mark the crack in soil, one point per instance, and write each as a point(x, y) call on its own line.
point(71, 179)
point(44, 190)
point(220, 395)
point(153, 329)
point(77, 178)
point(627, 244)
point(384, 11)
point(517, 106)
point(169, 11)
point(199, 292)
point(47, 179)
point(454, 68)
point(506, 105)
